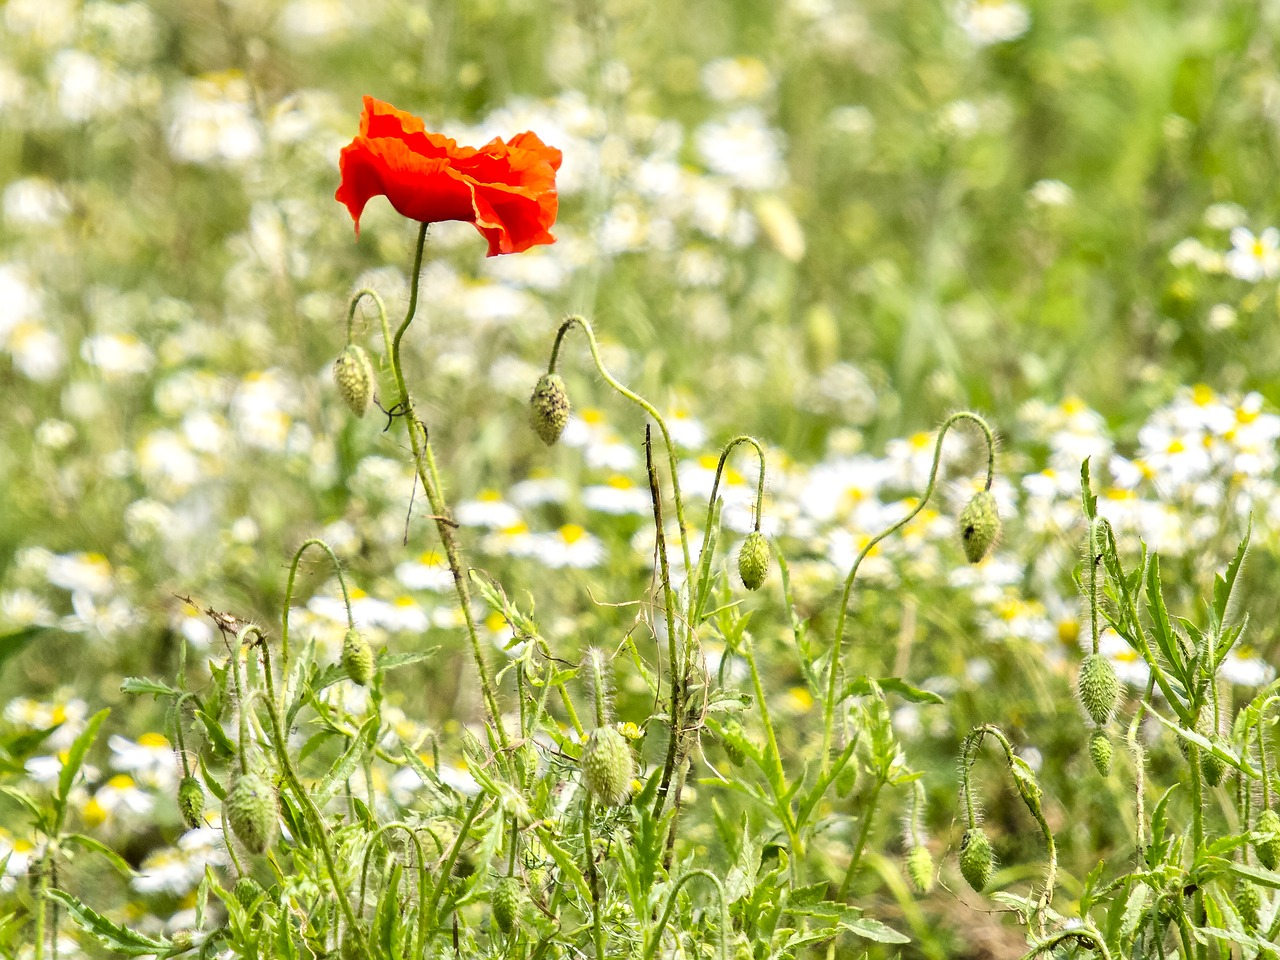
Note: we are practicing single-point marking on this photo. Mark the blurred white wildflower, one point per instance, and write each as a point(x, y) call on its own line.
point(81, 572)
point(1190, 252)
point(1254, 258)
point(1225, 216)
point(37, 351)
point(150, 759)
point(619, 494)
point(34, 202)
point(261, 409)
point(538, 489)
point(117, 355)
point(731, 79)
point(1221, 316)
point(569, 546)
point(993, 21)
point(17, 854)
point(1051, 193)
point(167, 464)
point(213, 122)
point(316, 22)
point(427, 571)
point(91, 616)
point(121, 795)
point(24, 608)
point(86, 87)
point(125, 32)
point(47, 23)
point(487, 509)
point(743, 148)
point(55, 434)
point(853, 119)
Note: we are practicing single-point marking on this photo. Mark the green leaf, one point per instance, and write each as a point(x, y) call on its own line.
point(26, 801)
point(1224, 588)
point(869, 929)
point(110, 935)
point(1223, 754)
point(1260, 876)
point(97, 846)
point(145, 685)
point(11, 644)
point(75, 759)
point(1087, 499)
point(865, 686)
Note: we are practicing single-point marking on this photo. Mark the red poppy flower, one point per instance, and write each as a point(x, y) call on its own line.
point(508, 190)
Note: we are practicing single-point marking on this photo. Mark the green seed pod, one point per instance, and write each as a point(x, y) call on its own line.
point(191, 801)
point(353, 373)
point(1100, 752)
point(975, 858)
point(252, 813)
point(549, 408)
point(979, 525)
point(1268, 848)
point(350, 947)
point(607, 766)
point(507, 899)
point(1248, 904)
point(247, 891)
point(733, 731)
point(1211, 766)
point(920, 868)
point(357, 657)
point(753, 560)
point(1099, 688)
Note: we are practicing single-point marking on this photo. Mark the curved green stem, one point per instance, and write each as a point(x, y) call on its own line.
point(446, 870)
point(671, 902)
point(577, 320)
point(314, 818)
point(837, 642)
point(422, 876)
point(288, 590)
point(860, 844)
point(425, 465)
point(1079, 934)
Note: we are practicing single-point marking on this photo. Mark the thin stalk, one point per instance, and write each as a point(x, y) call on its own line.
point(837, 642)
point(314, 818)
point(593, 878)
point(652, 949)
point(446, 871)
point(668, 595)
point(860, 844)
point(293, 573)
point(580, 321)
point(422, 875)
point(424, 464)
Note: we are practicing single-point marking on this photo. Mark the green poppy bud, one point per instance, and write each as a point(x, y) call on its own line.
point(353, 374)
point(357, 658)
point(1248, 904)
point(549, 408)
point(1268, 848)
point(607, 766)
point(753, 560)
point(920, 868)
point(976, 858)
point(252, 813)
point(1100, 752)
point(191, 801)
point(1099, 688)
point(507, 898)
point(979, 525)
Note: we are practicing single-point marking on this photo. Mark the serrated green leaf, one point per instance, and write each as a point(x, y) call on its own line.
point(142, 686)
point(865, 686)
point(110, 935)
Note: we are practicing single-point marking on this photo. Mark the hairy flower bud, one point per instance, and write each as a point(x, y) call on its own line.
point(1212, 766)
point(1268, 848)
point(1248, 904)
point(607, 766)
point(191, 801)
point(1099, 688)
point(549, 408)
point(507, 897)
point(1100, 752)
point(252, 813)
point(732, 748)
point(247, 891)
point(920, 868)
point(975, 858)
point(357, 657)
point(979, 525)
point(753, 560)
point(353, 373)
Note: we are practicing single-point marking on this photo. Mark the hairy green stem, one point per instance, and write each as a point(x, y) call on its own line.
point(424, 464)
point(837, 642)
point(656, 934)
point(580, 321)
point(446, 871)
point(860, 844)
point(293, 573)
point(421, 934)
point(1079, 934)
point(314, 818)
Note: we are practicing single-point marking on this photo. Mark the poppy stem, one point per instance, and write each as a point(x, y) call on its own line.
point(425, 464)
point(837, 641)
